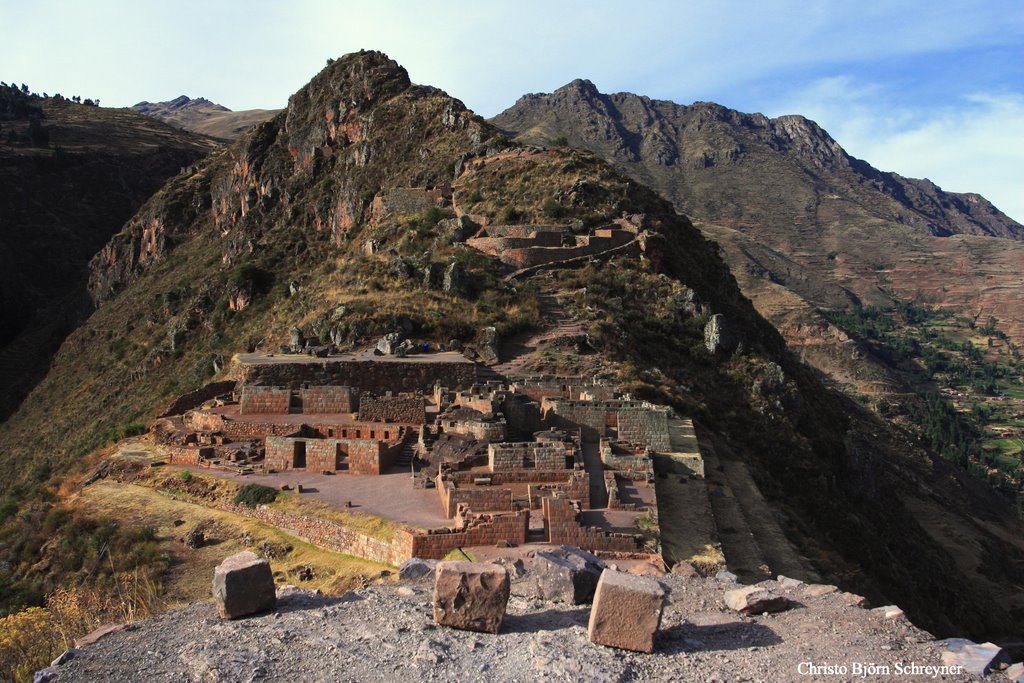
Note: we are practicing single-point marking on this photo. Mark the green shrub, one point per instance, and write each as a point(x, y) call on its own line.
point(8, 508)
point(185, 476)
point(133, 428)
point(552, 209)
point(252, 495)
point(510, 215)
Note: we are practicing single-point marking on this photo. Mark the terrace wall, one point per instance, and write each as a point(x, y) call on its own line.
point(376, 376)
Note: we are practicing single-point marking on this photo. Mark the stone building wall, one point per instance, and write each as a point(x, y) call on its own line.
point(371, 457)
point(541, 248)
point(328, 400)
point(483, 529)
point(633, 462)
point(264, 400)
point(409, 410)
point(646, 426)
point(528, 455)
point(562, 526)
point(493, 430)
point(637, 422)
point(481, 499)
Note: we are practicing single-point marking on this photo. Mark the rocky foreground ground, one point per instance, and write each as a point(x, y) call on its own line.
point(387, 633)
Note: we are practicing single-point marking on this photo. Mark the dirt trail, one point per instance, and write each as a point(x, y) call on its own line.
point(556, 323)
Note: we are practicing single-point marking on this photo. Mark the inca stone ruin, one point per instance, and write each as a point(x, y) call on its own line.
point(460, 462)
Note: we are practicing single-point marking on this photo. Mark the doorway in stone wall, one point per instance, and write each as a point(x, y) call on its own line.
point(299, 455)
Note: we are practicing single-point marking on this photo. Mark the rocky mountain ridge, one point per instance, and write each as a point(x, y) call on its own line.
point(678, 149)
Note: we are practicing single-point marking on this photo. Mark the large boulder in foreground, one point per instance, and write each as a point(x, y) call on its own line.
point(566, 574)
point(626, 612)
point(471, 595)
point(755, 600)
point(243, 585)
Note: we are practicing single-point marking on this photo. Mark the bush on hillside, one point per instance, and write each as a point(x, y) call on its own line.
point(252, 495)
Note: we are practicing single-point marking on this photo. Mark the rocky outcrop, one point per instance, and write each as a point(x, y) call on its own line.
point(386, 632)
point(343, 126)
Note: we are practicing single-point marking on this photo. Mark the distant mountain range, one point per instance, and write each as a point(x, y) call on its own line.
point(200, 115)
point(804, 226)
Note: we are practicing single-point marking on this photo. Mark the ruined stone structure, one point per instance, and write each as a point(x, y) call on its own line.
point(403, 409)
point(539, 387)
point(637, 422)
point(526, 246)
point(553, 447)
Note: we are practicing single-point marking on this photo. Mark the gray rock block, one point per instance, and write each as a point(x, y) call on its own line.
point(566, 574)
point(243, 585)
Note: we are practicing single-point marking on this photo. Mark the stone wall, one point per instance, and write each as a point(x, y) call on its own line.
point(473, 530)
point(371, 457)
point(573, 388)
point(320, 455)
point(264, 400)
point(576, 488)
point(328, 400)
point(481, 499)
point(377, 376)
point(542, 249)
point(562, 526)
point(528, 455)
point(407, 200)
point(410, 410)
point(633, 462)
point(637, 422)
point(646, 426)
point(198, 397)
point(487, 430)
point(185, 455)
point(332, 536)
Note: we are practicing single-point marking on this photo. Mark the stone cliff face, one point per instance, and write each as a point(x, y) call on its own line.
point(346, 130)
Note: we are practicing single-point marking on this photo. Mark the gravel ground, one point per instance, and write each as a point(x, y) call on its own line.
point(386, 633)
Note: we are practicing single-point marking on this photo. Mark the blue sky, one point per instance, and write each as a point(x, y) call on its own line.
point(926, 89)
